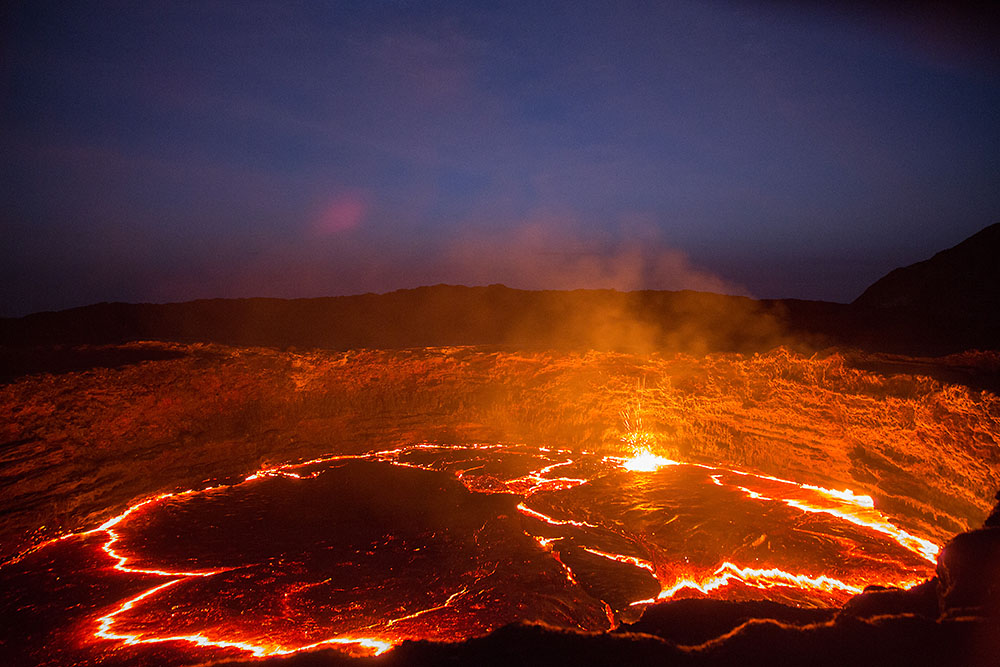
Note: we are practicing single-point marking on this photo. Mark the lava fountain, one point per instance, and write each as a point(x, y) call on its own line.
point(432, 541)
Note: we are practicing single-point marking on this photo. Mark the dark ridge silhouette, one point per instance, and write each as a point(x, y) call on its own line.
point(445, 315)
point(944, 305)
point(963, 281)
point(427, 316)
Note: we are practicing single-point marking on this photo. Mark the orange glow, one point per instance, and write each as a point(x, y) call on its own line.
point(646, 461)
point(844, 505)
point(556, 527)
point(758, 578)
point(862, 514)
point(368, 645)
point(534, 514)
point(798, 480)
point(847, 505)
point(631, 560)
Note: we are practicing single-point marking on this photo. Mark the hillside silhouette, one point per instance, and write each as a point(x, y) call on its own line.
point(946, 304)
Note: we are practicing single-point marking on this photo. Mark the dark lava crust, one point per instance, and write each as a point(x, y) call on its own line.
point(952, 619)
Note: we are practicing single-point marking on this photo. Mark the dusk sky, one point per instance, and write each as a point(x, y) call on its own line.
point(167, 151)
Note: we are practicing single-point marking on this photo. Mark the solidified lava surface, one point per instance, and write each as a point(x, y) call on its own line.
point(440, 542)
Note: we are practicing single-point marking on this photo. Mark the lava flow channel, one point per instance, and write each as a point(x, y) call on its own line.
point(439, 542)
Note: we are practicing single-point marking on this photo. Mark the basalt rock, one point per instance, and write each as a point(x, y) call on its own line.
point(921, 600)
point(969, 571)
point(993, 520)
point(694, 621)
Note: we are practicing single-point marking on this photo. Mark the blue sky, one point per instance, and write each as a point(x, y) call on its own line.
point(171, 151)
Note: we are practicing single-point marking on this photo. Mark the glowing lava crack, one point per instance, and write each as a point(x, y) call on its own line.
point(448, 542)
point(106, 622)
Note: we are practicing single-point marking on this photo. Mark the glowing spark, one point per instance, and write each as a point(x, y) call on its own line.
point(646, 461)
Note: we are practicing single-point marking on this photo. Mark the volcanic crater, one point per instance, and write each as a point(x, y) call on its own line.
point(581, 477)
point(396, 514)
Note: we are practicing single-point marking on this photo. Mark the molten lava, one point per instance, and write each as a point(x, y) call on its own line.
point(446, 542)
point(646, 461)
